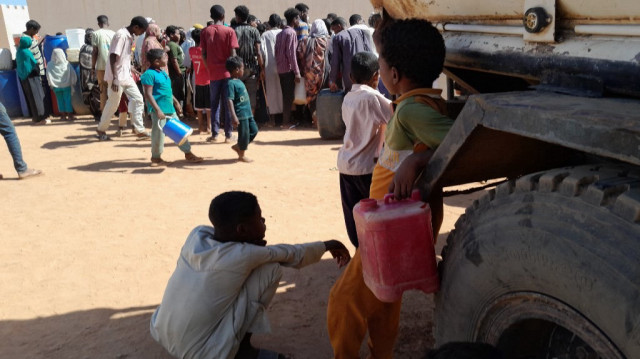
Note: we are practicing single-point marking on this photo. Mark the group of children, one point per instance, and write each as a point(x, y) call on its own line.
point(207, 308)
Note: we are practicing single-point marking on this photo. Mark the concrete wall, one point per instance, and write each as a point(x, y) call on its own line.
point(12, 21)
point(59, 15)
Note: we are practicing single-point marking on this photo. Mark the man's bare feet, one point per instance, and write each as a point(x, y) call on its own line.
point(235, 148)
point(244, 159)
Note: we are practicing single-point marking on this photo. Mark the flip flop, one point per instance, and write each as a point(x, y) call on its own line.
point(268, 354)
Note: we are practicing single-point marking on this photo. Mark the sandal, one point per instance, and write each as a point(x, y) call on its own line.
point(157, 162)
point(190, 157)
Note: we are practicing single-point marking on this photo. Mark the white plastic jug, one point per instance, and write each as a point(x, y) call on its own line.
point(5, 60)
point(75, 38)
point(300, 93)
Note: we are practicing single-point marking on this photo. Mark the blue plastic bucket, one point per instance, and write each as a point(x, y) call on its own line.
point(53, 42)
point(9, 95)
point(177, 131)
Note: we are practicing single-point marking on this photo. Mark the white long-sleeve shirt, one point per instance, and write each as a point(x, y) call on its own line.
point(202, 305)
point(365, 111)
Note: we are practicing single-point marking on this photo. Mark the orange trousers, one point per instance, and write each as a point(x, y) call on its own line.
point(353, 309)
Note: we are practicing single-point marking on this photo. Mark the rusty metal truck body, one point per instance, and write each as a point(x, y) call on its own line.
point(547, 264)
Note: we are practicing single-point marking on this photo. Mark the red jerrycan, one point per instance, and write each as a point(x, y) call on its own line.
point(396, 246)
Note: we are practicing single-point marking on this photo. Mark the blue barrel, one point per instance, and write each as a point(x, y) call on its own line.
point(52, 42)
point(329, 115)
point(9, 95)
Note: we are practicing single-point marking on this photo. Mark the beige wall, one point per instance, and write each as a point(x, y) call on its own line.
point(59, 15)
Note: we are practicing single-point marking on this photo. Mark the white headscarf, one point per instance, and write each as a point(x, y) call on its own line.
point(60, 74)
point(318, 29)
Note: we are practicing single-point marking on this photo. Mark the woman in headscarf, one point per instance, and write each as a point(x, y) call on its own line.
point(61, 77)
point(152, 40)
point(29, 74)
point(311, 54)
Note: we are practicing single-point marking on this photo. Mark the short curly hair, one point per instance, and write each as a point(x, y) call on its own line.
point(229, 209)
point(414, 47)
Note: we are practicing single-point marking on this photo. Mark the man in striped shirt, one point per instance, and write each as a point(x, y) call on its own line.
point(33, 27)
point(286, 45)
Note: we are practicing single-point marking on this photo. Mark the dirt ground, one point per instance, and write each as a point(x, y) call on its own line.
point(87, 249)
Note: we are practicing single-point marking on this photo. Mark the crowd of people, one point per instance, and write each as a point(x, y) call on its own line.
point(228, 75)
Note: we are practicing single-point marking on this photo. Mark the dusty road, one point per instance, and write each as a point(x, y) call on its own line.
point(87, 249)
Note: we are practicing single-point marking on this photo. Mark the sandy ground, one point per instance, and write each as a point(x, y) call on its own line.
point(87, 249)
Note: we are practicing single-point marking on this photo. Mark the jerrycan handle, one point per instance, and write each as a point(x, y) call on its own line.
point(415, 196)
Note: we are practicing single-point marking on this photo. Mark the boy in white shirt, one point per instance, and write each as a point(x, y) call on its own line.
point(365, 112)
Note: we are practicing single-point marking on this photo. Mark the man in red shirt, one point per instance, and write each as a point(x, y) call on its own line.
point(218, 43)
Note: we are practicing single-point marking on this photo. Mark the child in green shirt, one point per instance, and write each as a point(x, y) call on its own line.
point(157, 92)
point(240, 108)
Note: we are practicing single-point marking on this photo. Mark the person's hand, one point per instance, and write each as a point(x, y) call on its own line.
point(178, 108)
point(406, 175)
point(298, 78)
point(114, 86)
point(338, 251)
point(262, 76)
point(234, 121)
point(161, 115)
point(333, 87)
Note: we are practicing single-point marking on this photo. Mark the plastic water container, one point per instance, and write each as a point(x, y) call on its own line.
point(329, 115)
point(9, 95)
point(300, 93)
point(73, 55)
point(75, 38)
point(5, 60)
point(53, 42)
point(396, 246)
point(176, 130)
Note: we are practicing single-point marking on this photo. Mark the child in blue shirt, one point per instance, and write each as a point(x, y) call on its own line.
point(157, 92)
point(240, 108)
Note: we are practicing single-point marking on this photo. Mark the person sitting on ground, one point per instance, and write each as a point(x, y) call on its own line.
point(62, 77)
point(365, 113)
point(8, 131)
point(225, 279)
point(239, 108)
point(157, 92)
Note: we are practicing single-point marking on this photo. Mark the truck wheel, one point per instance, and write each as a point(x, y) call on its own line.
point(547, 266)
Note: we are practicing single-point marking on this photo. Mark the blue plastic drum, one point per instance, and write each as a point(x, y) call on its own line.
point(9, 93)
point(53, 42)
point(176, 130)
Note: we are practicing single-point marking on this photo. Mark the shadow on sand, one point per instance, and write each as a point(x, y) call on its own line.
point(141, 166)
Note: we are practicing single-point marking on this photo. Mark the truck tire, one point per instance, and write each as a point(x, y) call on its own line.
point(546, 266)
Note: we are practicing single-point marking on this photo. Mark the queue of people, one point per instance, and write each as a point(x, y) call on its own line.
point(227, 274)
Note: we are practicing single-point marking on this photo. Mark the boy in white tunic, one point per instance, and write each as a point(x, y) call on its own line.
point(224, 281)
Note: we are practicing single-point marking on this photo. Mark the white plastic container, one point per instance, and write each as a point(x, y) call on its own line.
point(73, 55)
point(75, 38)
point(300, 93)
point(5, 60)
